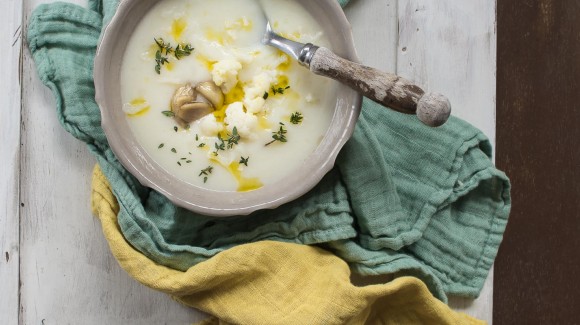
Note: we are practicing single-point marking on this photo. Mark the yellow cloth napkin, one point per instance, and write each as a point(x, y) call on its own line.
point(274, 283)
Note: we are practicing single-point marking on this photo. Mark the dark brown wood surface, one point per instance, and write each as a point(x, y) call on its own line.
point(537, 271)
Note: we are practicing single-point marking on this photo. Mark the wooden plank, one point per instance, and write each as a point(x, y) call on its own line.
point(374, 27)
point(68, 274)
point(449, 46)
point(538, 113)
point(10, 35)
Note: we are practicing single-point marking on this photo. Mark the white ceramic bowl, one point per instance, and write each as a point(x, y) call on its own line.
point(136, 160)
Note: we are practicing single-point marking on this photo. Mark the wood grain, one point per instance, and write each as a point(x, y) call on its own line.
point(450, 47)
point(538, 136)
point(10, 35)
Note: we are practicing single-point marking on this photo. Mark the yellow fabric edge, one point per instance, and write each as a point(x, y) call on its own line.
point(273, 282)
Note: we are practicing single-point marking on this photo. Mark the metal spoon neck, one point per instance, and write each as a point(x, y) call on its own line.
point(301, 52)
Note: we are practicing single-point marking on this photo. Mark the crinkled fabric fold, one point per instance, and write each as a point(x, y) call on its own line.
point(249, 284)
point(404, 198)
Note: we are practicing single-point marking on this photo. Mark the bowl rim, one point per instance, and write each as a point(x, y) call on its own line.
point(150, 174)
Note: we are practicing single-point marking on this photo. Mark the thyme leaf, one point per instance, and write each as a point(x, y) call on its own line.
point(206, 171)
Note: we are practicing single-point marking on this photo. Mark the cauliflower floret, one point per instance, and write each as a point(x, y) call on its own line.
point(254, 93)
point(209, 125)
point(225, 74)
point(244, 122)
point(254, 105)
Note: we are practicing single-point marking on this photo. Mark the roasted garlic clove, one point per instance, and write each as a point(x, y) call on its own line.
point(183, 95)
point(187, 107)
point(193, 111)
point(211, 92)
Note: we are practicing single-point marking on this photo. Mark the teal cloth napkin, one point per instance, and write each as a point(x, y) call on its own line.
point(404, 198)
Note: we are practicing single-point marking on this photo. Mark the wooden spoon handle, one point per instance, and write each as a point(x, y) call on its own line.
point(385, 88)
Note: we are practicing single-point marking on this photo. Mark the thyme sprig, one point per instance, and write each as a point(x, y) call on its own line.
point(279, 135)
point(296, 118)
point(233, 138)
point(219, 145)
point(279, 90)
point(244, 161)
point(163, 47)
point(165, 50)
point(182, 50)
point(159, 61)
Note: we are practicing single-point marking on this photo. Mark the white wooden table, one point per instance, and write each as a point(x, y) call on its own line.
point(55, 265)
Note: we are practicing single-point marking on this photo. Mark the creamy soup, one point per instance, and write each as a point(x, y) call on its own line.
point(212, 105)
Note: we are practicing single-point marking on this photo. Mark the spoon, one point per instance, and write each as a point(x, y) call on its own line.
point(387, 89)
